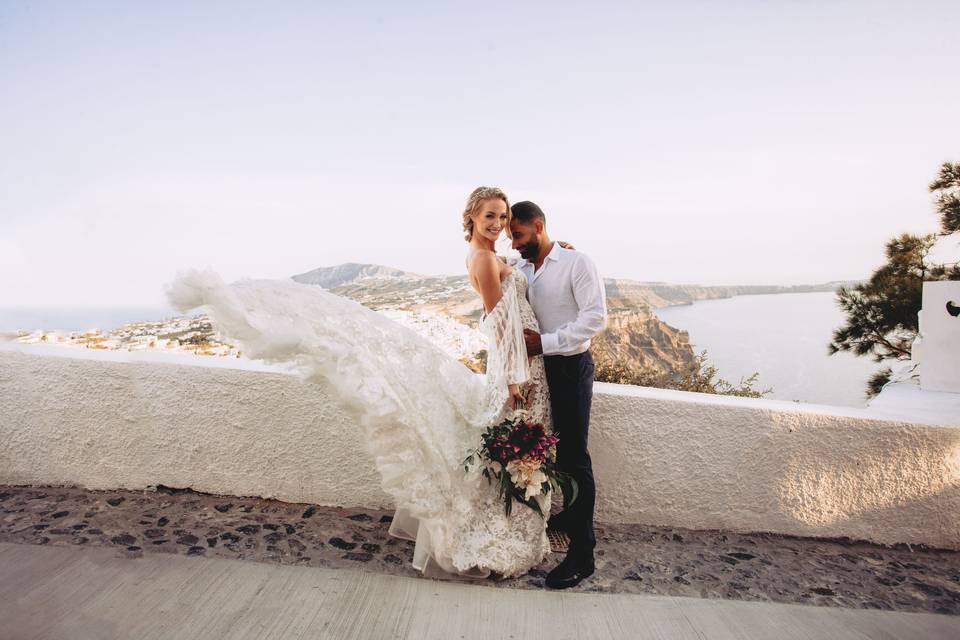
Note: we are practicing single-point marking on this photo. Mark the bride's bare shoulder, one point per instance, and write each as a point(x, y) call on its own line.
point(484, 269)
point(481, 259)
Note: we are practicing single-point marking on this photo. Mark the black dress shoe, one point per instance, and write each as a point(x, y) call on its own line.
point(571, 571)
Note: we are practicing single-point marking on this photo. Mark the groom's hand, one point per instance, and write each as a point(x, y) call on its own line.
point(534, 346)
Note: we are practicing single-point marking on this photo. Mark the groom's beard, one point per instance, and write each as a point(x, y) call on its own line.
point(530, 250)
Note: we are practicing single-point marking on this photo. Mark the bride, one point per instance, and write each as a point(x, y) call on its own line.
point(421, 410)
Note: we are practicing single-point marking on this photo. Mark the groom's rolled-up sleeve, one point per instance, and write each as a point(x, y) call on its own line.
point(591, 299)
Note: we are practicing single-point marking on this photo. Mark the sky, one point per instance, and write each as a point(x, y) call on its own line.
point(688, 142)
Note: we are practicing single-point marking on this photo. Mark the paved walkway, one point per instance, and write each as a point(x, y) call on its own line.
point(88, 592)
point(636, 559)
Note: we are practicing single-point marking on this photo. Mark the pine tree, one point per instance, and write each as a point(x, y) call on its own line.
point(947, 188)
point(881, 313)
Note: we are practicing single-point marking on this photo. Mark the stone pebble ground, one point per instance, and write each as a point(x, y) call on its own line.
point(630, 558)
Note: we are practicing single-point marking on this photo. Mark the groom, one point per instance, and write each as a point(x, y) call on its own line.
point(567, 296)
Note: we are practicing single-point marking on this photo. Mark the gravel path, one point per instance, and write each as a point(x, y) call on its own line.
point(630, 558)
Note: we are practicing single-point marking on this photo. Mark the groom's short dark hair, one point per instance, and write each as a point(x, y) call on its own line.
point(527, 211)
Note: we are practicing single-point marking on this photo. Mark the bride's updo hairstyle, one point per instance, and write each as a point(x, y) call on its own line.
point(475, 202)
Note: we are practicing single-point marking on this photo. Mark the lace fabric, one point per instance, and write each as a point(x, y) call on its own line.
point(507, 356)
point(421, 410)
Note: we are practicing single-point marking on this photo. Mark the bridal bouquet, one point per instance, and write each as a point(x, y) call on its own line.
point(522, 459)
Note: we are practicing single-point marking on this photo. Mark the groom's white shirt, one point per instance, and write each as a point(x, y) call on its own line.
point(568, 298)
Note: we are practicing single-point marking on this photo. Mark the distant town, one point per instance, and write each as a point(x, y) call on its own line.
point(195, 335)
point(185, 334)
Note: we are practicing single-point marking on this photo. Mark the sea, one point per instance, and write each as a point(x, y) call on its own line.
point(77, 319)
point(782, 337)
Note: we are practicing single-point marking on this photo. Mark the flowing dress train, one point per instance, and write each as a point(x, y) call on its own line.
point(422, 411)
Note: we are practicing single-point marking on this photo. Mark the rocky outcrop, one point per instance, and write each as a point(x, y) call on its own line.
point(642, 342)
point(331, 277)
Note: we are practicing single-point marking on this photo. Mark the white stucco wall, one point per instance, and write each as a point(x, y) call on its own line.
point(937, 348)
point(660, 457)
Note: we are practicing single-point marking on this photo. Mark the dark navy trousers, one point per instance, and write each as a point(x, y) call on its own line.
point(570, 379)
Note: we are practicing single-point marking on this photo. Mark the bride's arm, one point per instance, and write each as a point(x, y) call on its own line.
point(503, 328)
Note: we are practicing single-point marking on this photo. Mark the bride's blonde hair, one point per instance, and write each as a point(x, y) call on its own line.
point(475, 201)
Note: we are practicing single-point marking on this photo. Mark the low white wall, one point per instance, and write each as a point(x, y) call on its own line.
point(660, 457)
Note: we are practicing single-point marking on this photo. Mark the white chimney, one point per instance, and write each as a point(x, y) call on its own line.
point(937, 347)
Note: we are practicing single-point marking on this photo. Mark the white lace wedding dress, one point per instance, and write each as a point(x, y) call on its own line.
point(422, 410)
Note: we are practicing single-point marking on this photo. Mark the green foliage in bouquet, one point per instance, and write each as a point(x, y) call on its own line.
point(521, 457)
